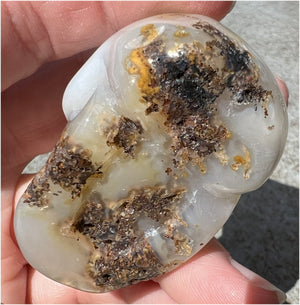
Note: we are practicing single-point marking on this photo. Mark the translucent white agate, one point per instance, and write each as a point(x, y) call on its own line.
point(106, 95)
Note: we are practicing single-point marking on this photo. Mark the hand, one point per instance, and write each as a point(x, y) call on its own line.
point(61, 34)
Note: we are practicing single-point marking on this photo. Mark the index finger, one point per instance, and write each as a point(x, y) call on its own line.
point(36, 32)
point(213, 277)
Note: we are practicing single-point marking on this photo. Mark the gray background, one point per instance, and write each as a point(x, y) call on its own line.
point(263, 231)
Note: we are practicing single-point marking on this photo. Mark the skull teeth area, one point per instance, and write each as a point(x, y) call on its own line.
point(153, 165)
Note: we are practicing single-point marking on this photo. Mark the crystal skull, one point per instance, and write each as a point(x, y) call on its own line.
point(170, 121)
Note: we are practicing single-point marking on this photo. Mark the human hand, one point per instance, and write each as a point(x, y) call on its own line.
point(35, 33)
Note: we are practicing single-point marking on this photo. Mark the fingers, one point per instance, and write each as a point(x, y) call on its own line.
point(42, 290)
point(213, 277)
point(146, 293)
point(13, 264)
point(36, 32)
point(13, 272)
point(32, 122)
point(33, 117)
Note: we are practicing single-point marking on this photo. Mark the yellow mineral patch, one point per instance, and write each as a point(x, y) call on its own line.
point(182, 245)
point(199, 161)
point(141, 67)
point(222, 156)
point(180, 220)
point(229, 134)
point(192, 55)
point(149, 31)
point(184, 174)
point(202, 167)
point(242, 161)
point(181, 32)
point(198, 45)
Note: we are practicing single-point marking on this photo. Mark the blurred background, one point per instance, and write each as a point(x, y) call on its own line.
point(263, 231)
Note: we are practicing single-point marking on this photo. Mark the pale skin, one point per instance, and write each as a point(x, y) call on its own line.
point(61, 35)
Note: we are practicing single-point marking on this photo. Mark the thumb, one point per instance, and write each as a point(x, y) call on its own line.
point(212, 276)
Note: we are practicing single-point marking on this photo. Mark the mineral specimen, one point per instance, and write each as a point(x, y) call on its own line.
point(170, 121)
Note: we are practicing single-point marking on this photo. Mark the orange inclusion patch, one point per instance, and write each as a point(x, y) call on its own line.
point(149, 31)
point(181, 33)
point(142, 68)
point(239, 159)
point(242, 161)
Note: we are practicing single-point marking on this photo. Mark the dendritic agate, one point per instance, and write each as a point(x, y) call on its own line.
point(170, 121)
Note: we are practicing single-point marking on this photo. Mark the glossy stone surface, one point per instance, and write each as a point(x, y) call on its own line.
point(171, 120)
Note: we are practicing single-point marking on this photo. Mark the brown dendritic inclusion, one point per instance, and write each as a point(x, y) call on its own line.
point(144, 176)
point(183, 89)
point(125, 134)
point(113, 231)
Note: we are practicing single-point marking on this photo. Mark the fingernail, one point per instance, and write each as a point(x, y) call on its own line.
point(284, 89)
point(259, 281)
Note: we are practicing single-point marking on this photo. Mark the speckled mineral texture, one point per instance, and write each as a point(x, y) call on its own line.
point(153, 165)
